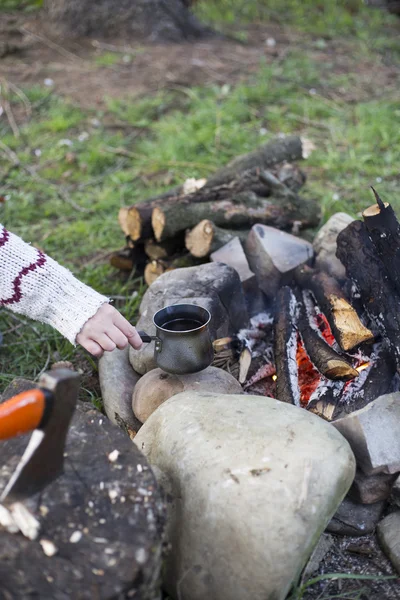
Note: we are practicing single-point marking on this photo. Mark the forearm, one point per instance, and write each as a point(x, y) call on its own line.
point(33, 284)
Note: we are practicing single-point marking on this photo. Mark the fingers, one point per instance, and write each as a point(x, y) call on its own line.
point(129, 331)
point(92, 347)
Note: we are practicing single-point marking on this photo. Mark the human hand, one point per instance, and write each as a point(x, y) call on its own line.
point(107, 330)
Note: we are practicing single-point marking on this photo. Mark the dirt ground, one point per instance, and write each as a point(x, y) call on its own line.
point(29, 54)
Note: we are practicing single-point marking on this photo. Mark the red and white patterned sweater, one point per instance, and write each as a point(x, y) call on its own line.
point(35, 285)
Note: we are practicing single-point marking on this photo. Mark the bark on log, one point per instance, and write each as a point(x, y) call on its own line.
point(266, 156)
point(287, 386)
point(343, 319)
point(384, 231)
point(357, 253)
point(243, 210)
point(206, 238)
point(242, 174)
point(328, 362)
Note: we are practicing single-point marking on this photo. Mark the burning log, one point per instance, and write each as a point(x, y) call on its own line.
point(343, 319)
point(384, 231)
point(324, 400)
point(328, 362)
point(206, 238)
point(287, 388)
point(357, 253)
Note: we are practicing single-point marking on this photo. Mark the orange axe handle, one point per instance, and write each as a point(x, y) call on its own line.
point(22, 413)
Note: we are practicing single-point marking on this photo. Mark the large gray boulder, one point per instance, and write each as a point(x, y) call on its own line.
point(251, 484)
point(214, 286)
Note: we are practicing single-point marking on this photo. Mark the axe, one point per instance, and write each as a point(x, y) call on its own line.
point(47, 411)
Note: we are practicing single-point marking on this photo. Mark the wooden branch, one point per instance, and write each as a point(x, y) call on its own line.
point(205, 238)
point(364, 268)
point(164, 250)
point(135, 221)
point(287, 386)
point(241, 211)
point(384, 231)
point(328, 362)
point(342, 317)
point(276, 151)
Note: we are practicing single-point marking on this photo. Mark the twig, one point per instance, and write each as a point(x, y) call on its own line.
point(7, 107)
point(52, 45)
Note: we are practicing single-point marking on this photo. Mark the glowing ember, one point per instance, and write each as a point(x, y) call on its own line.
point(325, 329)
point(274, 377)
point(309, 377)
point(362, 367)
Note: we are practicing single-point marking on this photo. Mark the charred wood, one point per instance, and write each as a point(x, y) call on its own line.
point(384, 231)
point(343, 319)
point(328, 362)
point(287, 387)
point(365, 269)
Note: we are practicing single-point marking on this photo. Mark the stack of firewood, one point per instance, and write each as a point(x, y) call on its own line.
point(183, 226)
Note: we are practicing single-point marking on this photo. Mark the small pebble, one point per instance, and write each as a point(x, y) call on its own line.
point(48, 547)
point(75, 537)
point(113, 456)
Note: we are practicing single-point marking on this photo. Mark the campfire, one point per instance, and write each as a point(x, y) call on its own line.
point(324, 340)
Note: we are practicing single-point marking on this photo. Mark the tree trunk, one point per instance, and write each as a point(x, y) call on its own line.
point(154, 20)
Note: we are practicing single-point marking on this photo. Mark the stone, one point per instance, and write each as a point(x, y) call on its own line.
point(368, 489)
point(273, 254)
point(117, 382)
point(101, 522)
point(325, 245)
point(232, 254)
point(156, 387)
point(396, 491)
point(373, 434)
point(355, 519)
point(389, 538)
point(325, 543)
point(214, 286)
point(251, 483)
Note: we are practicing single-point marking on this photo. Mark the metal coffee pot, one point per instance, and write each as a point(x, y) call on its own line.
point(182, 342)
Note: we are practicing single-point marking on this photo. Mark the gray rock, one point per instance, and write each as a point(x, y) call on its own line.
point(214, 286)
point(232, 254)
point(368, 489)
point(373, 434)
point(325, 245)
point(251, 483)
point(117, 382)
point(272, 254)
point(325, 543)
point(104, 516)
point(396, 491)
point(156, 387)
point(355, 519)
point(389, 538)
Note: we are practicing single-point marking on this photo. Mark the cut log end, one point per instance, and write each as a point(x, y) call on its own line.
point(199, 240)
point(158, 223)
point(374, 210)
point(130, 222)
point(350, 331)
point(323, 409)
point(152, 271)
point(338, 369)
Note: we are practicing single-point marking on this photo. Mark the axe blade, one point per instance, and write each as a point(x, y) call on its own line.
point(43, 459)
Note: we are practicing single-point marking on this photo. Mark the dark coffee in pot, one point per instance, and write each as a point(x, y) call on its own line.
point(181, 325)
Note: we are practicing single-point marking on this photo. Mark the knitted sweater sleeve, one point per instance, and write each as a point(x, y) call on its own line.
point(35, 285)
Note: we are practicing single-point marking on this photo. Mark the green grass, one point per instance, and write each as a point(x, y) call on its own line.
point(66, 175)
